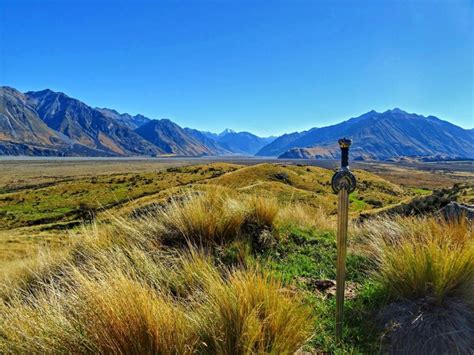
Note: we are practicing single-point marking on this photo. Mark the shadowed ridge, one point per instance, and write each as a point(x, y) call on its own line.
point(87, 126)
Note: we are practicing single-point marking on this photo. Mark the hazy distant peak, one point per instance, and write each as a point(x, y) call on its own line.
point(397, 110)
point(226, 131)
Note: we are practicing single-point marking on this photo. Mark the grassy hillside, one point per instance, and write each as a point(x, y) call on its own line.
point(225, 258)
point(73, 198)
point(48, 205)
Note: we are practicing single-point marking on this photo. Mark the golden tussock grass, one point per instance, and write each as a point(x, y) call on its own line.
point(117, 291)
point(183, 305)
point(304, 217)
point(423, 257)
point(254, 314)
point(202, 219)
point(214, 218)
point(262, 210)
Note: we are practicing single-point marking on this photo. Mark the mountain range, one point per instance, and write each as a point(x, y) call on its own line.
point(53, 124)
point(48, 123)
point(390, 134)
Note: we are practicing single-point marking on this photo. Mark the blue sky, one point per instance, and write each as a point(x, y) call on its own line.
point(266, 67)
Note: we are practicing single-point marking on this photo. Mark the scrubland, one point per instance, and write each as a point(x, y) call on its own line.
point(228, 259)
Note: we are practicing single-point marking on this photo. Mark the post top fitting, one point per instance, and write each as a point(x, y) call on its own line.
point(344, 142)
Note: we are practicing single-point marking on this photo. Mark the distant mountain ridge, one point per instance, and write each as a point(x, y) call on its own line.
point(274, 147)
point(132, 122)
point(52, 123)
point(245, 143)
point(87, 126)
point(23, 132)
point(172, 139)
point(208, 139)
point(387, 135)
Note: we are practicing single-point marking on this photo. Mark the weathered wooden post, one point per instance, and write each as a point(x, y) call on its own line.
point(343, 183)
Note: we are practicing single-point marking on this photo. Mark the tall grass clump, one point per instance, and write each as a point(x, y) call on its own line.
point(423, 257)
point(119, 297)
point(262, 211)
point(106, 313)
point(426, 267)
point(214, 218)
point(202, 220)
point(254, 314)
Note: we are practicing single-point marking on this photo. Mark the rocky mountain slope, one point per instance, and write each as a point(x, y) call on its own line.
point(125, 119)
point(22, 131)
point(52, 123)
point(88, 126)
point(20, 124)
point(172, 139)
point(391, 134)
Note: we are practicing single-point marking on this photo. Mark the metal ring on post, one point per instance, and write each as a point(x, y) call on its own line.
point(343, 179)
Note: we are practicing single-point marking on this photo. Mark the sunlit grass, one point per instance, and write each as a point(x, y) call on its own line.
point(302, 216)
point(117, 290)
point(227, 265)
point(423, 257)
point(129, 301)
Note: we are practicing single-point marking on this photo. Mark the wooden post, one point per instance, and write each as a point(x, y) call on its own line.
point(343, 183)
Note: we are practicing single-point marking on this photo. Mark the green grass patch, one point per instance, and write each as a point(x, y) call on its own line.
point(304, 256)
point(421, 192)
point(356, 203)
point(62, 200)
